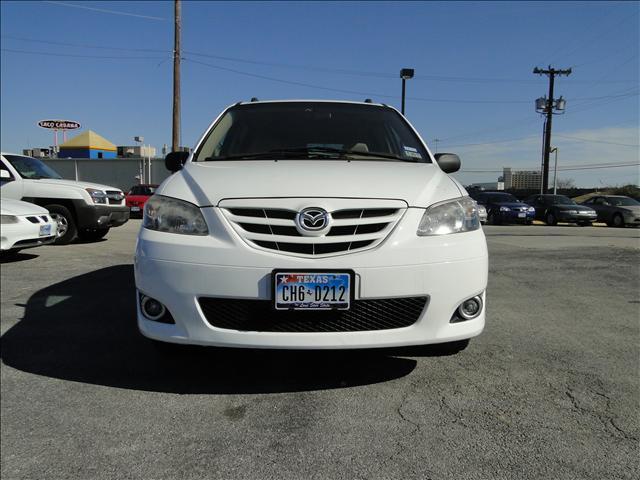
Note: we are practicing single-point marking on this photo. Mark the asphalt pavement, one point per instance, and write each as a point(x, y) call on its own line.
point(550, 390)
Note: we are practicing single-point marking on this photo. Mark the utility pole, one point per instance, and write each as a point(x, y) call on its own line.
point(175, 142)
point(546, 106)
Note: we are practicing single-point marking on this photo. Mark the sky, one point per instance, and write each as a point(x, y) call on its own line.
point(108, 65)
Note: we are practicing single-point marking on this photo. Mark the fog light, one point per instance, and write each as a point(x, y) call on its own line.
point(152, 308)
point(470, 308)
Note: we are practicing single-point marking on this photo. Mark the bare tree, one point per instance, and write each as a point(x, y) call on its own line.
point(565, 183)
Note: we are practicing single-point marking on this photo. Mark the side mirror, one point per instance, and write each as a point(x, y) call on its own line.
point(175, 160)
point(5, 175)
point(448, 162)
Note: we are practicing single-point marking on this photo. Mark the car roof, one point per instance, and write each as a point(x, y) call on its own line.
point(352, 102)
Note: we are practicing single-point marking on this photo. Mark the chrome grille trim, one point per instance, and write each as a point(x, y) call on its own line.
point(274, 229)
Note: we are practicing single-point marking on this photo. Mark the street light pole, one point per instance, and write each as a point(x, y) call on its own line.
point(405, 74)
point(555, 170)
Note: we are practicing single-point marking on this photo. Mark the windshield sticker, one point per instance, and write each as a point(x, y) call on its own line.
point(410, 149)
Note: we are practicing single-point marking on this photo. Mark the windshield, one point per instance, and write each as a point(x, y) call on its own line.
point(33, 168)
point(622, 201)
point(312, 130)
point(561, 200)
point(504, 198)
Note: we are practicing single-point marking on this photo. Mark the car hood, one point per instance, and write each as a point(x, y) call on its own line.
point(8, 206)
point(74, 184)
point(207, 183)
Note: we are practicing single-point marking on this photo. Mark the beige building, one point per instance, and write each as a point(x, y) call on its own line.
point(521, 179)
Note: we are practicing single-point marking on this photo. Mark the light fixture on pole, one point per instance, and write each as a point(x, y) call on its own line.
point(405, 74)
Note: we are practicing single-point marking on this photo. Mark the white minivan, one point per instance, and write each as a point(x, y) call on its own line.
point(311, 225)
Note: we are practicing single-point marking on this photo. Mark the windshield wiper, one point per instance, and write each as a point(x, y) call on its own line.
point(343, 152)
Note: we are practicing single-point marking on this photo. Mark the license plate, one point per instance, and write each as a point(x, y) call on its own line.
point(522, 215)
point(45, 230)
point(312, 290)
point(135, 209)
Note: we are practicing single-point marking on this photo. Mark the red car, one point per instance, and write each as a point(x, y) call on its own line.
point(137, 196)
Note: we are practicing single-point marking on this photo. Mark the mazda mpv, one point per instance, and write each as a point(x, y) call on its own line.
point(311, 225)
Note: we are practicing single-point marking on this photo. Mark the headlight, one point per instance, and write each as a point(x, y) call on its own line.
point(166, 214)
point(8, 219)
point(452, 216)
point(531, 209)
point(98, 196)
point(505, 209)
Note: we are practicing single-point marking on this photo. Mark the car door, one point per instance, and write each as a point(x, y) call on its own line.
point(538, 204)
point(11, 187)
point(602, 208)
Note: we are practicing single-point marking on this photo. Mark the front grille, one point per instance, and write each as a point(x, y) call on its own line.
point(351, 229)
point(114, 197)
point(33, 219)
point(364, 315)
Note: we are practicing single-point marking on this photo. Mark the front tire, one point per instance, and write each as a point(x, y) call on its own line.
point(93, 235)
point(67, 230)
point(551, 219)
point(618, 221)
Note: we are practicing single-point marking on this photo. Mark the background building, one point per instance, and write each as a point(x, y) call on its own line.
point(521, 180)
point(38, 152)
point(87, 145)
point(144, 151)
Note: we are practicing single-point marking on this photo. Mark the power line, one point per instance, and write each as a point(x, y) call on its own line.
point(564, 169)
point(300, 66)
point(104, 10)
point(597, 141)
point(84, 45)
point(352, 92)
point(75, 55)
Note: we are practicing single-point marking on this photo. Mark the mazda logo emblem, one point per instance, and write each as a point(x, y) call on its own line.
point(312, 220)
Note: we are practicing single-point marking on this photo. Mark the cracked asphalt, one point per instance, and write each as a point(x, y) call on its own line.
point(550, 390)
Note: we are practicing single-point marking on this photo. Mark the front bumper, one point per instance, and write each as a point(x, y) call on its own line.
point(576, 217)
point(177, 270)
point(100, 216)
point(26, 234)
point(512, 216)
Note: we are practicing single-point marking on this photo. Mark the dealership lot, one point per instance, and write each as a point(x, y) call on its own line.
point(549, 390)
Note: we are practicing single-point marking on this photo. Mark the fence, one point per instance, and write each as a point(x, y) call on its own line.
point(114, 172)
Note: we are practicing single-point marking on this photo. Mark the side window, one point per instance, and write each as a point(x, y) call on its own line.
point(599, 201)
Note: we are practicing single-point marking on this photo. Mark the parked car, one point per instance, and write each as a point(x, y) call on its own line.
point(615, 210)
point(24, 225)
point(505, 208)
point(557, 208)
point(313, 225)
point(482, 213)
point(82, 209)
point(137, 197)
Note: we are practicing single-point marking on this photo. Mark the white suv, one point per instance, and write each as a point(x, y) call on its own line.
point(81, 209)
point(315, 225)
